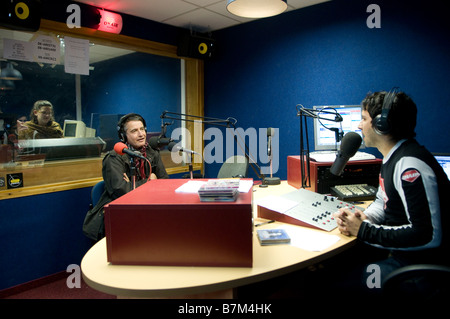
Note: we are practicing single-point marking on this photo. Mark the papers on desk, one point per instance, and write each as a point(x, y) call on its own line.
point(192, 186)
point(309, 239)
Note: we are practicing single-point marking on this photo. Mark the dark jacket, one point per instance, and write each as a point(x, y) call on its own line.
point(114, 166)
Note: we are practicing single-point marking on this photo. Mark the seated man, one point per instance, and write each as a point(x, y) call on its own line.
point(116, 171)
point(409, 217)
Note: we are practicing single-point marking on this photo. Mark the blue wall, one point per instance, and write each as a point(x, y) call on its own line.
point(41, 235)
point(326, 55)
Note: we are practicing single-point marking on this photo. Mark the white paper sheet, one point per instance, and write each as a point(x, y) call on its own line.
point(309, 239)
point(191, 187)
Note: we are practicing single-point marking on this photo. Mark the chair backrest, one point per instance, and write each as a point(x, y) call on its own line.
point(419, 281)
point(97, 192)
point(234, 166)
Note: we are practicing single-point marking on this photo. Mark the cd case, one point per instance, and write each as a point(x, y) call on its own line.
point(273, 236)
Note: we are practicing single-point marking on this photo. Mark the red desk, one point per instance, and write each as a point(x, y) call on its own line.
point(154, 225)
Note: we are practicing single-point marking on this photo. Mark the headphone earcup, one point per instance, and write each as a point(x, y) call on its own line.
point(380, 124)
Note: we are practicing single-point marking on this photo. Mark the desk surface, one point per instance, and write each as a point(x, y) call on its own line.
point(165, 281)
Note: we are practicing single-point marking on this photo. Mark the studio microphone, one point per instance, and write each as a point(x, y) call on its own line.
point(122, 148)
point(270, 133)
point(156, 142)
point(349, 145)
point(173, 147)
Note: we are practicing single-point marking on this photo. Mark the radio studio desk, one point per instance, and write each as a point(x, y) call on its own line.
point(162, 281)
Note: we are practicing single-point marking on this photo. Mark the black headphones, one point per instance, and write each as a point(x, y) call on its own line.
point(380, 123)
point(123, 120)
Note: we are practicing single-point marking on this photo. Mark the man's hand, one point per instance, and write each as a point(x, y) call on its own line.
point(348, 222)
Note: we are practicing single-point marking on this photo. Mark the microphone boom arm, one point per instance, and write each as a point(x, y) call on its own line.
point(227, 123)
point(305, 161)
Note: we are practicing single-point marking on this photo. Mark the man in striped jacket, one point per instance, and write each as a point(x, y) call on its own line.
point(409, 216)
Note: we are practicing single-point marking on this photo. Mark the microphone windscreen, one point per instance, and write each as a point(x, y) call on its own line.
point(270, 131)
point(350, 144)
point(119, 147)
point(170, 146)
point(153, 142)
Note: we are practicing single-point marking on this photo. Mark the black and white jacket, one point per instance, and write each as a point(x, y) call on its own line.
point(410, 212)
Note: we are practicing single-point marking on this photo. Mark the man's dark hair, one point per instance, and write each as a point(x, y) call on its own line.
point(402, 115)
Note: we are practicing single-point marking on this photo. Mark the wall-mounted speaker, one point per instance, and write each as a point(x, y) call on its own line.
point(22, 15)
point(196, 46)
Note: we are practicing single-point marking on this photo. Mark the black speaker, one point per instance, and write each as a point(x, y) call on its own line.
point(22, 15)
point(196, 46)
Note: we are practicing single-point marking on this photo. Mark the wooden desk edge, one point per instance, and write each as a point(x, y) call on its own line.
point(204, 290)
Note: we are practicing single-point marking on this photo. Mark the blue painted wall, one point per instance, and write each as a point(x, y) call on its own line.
point(326, 55)
point(41, 235)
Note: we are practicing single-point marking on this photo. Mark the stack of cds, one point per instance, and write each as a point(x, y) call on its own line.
point(219, 190)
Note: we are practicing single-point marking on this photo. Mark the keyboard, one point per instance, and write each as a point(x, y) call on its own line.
point(354, 192)
point(330, 156)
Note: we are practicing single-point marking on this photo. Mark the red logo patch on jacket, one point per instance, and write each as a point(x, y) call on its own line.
point(410, 175)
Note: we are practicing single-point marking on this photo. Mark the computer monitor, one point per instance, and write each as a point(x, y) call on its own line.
point(444, 160)
point(324, 136)
point(74, 128)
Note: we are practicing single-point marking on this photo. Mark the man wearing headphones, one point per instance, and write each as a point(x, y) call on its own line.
point(409, 217)
point(117, 170)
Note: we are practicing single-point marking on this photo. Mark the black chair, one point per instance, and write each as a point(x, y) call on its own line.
point(425, 282)
point(234, 166)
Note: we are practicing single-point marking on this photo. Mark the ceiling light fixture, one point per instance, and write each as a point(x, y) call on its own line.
point(256, 8)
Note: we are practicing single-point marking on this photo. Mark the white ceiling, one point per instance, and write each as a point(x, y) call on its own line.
point(196, 15)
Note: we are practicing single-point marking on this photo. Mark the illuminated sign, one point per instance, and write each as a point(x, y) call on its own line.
point(110, 22)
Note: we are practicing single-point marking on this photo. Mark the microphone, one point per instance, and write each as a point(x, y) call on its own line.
point(121, 148)
point(156, 142)
point(350, 144)
point(270, 133)
point(173, 147)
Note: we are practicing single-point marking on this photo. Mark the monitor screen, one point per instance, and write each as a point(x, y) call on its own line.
point(74, 128)
point(324, 137)
point(70, 130)
point(444, 161)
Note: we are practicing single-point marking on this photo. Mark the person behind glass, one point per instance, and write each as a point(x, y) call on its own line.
point(409, 217)
point(42, 123)
point(117, 170)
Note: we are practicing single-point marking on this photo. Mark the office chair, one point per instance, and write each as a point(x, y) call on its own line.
point(97, 192)
point(418, 282)
point(234, 166)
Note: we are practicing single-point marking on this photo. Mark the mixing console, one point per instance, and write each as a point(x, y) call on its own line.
point(313, 209)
